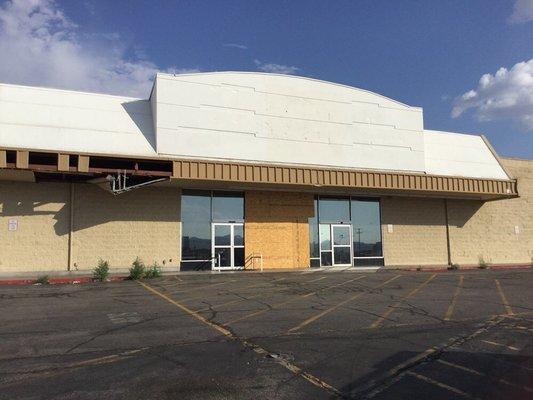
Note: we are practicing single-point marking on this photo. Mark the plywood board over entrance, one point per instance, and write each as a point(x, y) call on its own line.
point(276, 227)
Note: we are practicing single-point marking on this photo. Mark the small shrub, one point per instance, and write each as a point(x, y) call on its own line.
point(101, 272)
point(482, 263)
point(42, 280)
point(153, 271)
point(137, 270)
point(453, 267)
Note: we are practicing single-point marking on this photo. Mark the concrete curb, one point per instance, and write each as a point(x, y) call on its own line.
point(117, 278)
point(60, 280)
point(464, 268)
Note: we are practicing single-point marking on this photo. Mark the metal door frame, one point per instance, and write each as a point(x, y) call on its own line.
point(232, 246)
point(333, 245)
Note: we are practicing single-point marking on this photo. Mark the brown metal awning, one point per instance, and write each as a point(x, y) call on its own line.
point(252, 174)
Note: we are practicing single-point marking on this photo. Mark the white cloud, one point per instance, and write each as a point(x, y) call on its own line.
point(275, 68)
point(522, 12)
point(235, 45)
point(39, 45)
point(508, 94)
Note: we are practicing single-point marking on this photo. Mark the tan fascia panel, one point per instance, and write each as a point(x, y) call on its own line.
point(300, 176)
point(196, 170)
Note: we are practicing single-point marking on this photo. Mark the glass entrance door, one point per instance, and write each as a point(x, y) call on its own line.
point(341, 243)
point(228, 246)
point(335, 245)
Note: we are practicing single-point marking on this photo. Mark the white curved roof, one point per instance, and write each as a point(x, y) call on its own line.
point(242, 116)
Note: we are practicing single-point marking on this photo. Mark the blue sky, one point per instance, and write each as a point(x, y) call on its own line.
point(423, 53)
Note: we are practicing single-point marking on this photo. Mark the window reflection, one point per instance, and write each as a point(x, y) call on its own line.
point(362, 214)
point(196, 225)
point(334, 209)
point(314, 250)
point(366, 228)
point(228, 206)
point(199, 208)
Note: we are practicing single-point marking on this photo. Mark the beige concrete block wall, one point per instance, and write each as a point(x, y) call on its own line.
point(143, 222)
point(418, 231)
point(487, 230)
point(42, 213)
point(276, 226)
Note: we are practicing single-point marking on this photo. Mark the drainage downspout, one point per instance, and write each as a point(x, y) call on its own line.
point(71, 227)
point(448, 248)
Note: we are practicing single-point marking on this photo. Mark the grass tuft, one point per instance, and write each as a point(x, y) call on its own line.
point(42, 280)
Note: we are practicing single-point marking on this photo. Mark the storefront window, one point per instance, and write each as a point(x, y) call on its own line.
point(228, 207)
point(334, 209)
point(199, 208)
point(196, 225)
point(314, 250)
point(357, 220)
point(366, 228)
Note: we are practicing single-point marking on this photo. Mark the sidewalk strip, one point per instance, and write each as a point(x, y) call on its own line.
point(327, 311)
point(449, 312)
point(247, 344)
point(508, 308)
point(391, 309)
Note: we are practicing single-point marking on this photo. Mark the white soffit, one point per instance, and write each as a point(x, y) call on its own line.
point(456, 154)
point(61, 120)
point(272, 118)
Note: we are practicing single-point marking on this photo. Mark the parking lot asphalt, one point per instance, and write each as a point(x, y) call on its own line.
point(287, 335)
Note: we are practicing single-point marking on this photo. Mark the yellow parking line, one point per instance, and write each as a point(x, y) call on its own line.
point(440, 384)
point(327, 311)
point(317, 279)
point(449, 312)
point(461, 367)
point(240, 288)
point(291, 300)
point(500, 345)
point(390, 310)
point(257, 349)
point(227, 303)
point(203, 287)
point(473, 371)
point(508, 308)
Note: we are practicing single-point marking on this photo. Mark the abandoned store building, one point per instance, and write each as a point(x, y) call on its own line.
point(233, 170)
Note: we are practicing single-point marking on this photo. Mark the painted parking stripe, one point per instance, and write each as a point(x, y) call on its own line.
point(461, 367)
point(473, 371)
point(451, 307)
point(506, 305)
point(441, 385)
point(500, 345)
point(291, 300)
point(392, 308)
point(246, 343)
point(333, 308)
point(239, 300)
point(203, 287)
point(255, 285)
